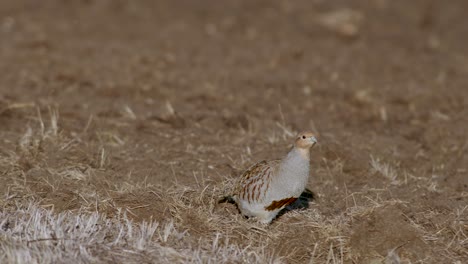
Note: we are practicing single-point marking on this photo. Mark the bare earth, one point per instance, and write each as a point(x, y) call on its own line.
point(124, 122)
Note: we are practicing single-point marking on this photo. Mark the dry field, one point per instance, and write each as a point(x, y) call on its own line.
point(124, 122)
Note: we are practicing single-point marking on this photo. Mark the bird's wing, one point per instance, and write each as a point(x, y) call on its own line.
point(254, 182)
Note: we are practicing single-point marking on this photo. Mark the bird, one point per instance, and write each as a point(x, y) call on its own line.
point(267, 187)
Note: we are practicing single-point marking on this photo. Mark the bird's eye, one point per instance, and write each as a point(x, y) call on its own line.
point(303, 137)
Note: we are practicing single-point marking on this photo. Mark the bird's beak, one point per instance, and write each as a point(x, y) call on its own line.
point(313, 140)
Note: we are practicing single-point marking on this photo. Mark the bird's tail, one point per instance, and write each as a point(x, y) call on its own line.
point(227, 199)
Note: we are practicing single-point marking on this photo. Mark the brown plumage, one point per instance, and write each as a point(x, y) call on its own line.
point(256, 179)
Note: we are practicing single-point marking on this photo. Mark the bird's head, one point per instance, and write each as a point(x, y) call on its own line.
point(305, 140)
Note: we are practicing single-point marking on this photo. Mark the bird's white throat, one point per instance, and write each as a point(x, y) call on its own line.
point(296, 161)
point(294, 171)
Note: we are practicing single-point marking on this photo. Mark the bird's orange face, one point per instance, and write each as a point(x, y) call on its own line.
point(305, 140)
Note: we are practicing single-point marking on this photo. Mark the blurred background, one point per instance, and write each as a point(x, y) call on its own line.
point(390, 74)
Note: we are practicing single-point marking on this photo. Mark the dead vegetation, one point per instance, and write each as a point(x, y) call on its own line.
point(64, 213)
point(123, 123)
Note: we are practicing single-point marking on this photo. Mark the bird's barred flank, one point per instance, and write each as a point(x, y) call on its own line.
point(279, 204)
point(254, 191)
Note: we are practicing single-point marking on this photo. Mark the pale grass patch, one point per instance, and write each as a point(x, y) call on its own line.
point(273, 138)
point(280, 134)
point(32, 234)
point(52, 130)
point(386, 170)
point(128, 113)
point(54, 117)
point(427, 183)
point(110, 138)
point(26, 139)
point(74, 173)
point(30, 141)
point(128, 187)
point(392, 257)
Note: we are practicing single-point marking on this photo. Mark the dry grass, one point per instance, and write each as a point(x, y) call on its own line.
point(124, 122)
point(31, 234)
point(43, 220)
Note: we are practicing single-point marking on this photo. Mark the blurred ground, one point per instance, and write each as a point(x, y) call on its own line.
point(176, 94)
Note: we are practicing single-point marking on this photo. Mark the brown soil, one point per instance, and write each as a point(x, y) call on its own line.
point(157, 95)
